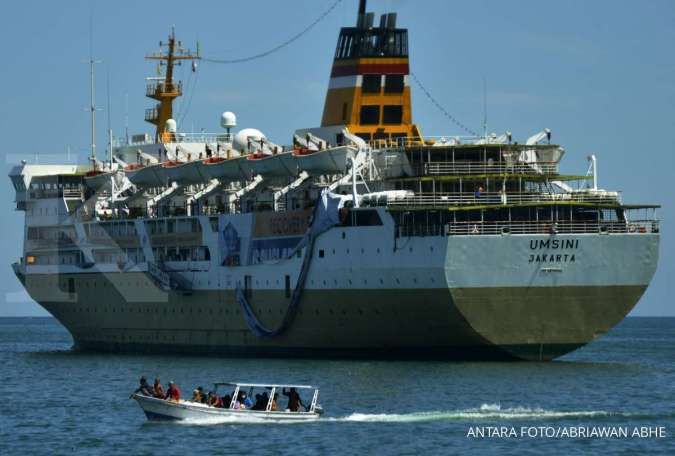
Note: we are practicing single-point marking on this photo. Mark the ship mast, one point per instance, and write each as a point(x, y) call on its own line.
point(93, 109)
point(164, 89)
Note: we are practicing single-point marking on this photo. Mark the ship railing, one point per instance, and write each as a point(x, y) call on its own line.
point(163, 88)
point(55, 193)
point(530, 227)
point(416, 141)
point(159, 275)
point(151, 114)
point(449, 168)
point(483, 198)
point(204, 137)
point(445, 141)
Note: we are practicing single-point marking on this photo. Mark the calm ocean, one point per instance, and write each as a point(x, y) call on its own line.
point(56, 401)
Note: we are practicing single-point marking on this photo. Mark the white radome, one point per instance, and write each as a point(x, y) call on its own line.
point(171, 126)
point(243, 136)
point(228, 120)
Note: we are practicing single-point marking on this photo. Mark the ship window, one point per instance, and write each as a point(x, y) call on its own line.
point(365, 136)
point(380, 136)
point(394, 83)
point(392, 114)
point(321, 253)
point(365, 217)
point(288, 286)
point(371, 83)
point(398, 138)
point(370, 115)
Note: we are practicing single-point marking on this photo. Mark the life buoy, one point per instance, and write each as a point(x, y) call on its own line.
point(632, 228)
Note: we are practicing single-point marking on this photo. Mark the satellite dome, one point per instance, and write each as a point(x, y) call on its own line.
point(171, 126)
point(243, 136)
point(228, 120)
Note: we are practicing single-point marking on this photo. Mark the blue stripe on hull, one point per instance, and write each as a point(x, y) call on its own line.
point(157, 417)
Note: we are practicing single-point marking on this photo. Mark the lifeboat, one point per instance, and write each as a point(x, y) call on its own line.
point(273, 165)
point(227, 169)
point(327, 161)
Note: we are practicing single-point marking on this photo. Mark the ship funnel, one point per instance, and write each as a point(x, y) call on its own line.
point(370, 19)
point(391, 21)
point(361, 18)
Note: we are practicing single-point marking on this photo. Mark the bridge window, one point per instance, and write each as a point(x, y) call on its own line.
point(371, 83)
point(392, 114)
point(394, 83)
point(370, 115)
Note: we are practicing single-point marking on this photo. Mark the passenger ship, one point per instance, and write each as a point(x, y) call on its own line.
point(364, 238)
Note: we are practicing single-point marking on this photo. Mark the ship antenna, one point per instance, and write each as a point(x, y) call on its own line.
point(92, 106)
point(485, 110)
point(126, 117)
point(110, 135)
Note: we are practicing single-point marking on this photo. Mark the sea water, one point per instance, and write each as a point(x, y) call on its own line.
point(616, 395)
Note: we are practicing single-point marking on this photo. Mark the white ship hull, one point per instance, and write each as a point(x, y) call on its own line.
point(162, 410)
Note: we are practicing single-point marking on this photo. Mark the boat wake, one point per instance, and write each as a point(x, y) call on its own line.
point(486, 412)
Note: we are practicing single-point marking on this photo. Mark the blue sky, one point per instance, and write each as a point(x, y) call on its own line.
point(600, 74)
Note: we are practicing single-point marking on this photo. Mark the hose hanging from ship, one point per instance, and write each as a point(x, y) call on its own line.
point(326, 215)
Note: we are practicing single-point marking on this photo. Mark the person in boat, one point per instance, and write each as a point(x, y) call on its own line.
point(208, 151)
point(202, 395)
point(158, 389)
point(173, 393)
point(215, 400)
point(294, 401)
point(261, 401)
point(258, 403)
point(143, 388)
point(247, 401)
point(196, 396)
point(275, 399)
point(227, 399)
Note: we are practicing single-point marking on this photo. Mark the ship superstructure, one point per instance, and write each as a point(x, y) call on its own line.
point(361, 238)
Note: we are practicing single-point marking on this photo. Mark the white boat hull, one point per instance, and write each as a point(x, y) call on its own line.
point(328, 161)
point(229, 170)
point(163, 410)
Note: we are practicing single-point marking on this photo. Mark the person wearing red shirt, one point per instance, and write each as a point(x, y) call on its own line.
point(173, 392)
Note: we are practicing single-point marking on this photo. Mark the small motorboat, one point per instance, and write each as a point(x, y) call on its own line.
point(162, 409)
